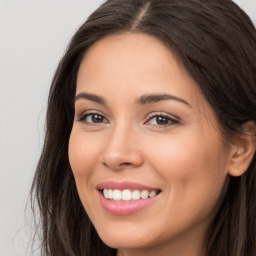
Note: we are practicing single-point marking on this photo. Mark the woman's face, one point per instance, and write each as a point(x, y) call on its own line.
point(142, 129)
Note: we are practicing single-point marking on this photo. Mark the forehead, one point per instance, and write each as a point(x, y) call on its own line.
point(138, 63)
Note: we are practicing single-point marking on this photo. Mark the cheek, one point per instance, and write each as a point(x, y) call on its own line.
point(82, 155)
point(183, 155)
point(195, 173)
point(83, 158)
point(194, 168)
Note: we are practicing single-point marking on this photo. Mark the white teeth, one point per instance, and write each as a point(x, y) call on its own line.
point(136, 195)
point(105, 192)
point(128, 195)
point(152, 193)
point(144, 194)
point(110, 193)
point(117, 195)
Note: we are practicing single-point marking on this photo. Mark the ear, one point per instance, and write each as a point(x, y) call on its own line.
point(243, 150)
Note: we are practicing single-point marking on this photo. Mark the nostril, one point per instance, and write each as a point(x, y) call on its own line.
point(125, 164)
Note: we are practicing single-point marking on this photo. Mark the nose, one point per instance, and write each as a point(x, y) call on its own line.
point(122, 149)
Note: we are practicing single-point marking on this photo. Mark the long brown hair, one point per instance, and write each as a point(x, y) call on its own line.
point(216, 42)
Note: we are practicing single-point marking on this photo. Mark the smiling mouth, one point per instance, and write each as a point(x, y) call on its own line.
point(125, 198)
point(128, 194)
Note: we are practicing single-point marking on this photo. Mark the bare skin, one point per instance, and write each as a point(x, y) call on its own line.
point(172, 143)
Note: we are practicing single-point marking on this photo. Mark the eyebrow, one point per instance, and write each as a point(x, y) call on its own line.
point(91, 97)
point(152, 98)
point(142, 100)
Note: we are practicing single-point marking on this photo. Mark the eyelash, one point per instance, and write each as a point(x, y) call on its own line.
point(170, 120)
point(83, 117)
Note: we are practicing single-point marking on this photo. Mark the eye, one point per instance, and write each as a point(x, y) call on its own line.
point(161, 120)
point(93, 118)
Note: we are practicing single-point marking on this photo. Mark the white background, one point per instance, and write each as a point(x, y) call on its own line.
point(33, 37)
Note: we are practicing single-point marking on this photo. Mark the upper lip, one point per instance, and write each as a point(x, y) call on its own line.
point(124, 185)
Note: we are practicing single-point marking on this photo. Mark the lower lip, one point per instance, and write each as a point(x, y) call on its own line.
point(125, 207)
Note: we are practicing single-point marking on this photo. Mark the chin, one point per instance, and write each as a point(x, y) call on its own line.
point(126, 239)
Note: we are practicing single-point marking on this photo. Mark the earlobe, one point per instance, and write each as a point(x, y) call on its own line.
point(243, 150)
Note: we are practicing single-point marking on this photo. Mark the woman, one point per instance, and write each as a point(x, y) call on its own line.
point(150, 137)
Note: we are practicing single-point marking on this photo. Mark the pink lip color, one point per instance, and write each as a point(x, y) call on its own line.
point(124, 207)
point(124, 185)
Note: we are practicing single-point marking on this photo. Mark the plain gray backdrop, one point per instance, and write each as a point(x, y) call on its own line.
point(33, 37)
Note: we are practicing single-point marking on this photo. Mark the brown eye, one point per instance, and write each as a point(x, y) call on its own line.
point(97, 118)
point(161, 120)
point(93, 119)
